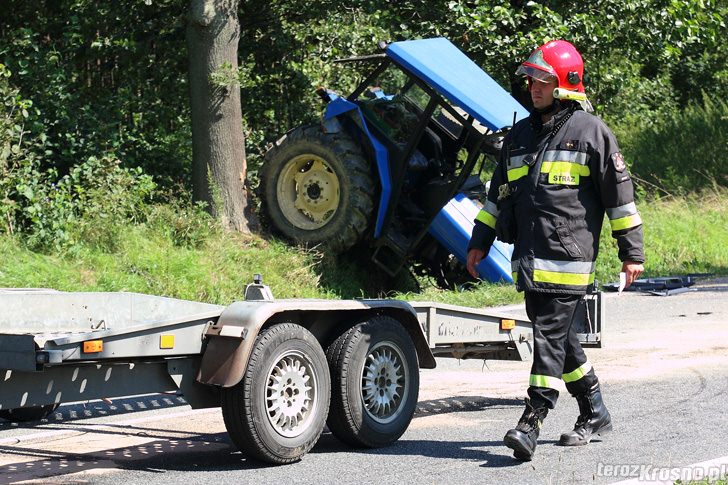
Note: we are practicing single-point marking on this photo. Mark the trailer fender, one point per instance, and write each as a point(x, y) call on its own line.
point(230, 340)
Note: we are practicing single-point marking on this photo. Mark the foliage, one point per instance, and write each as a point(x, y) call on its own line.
point(682, 235)
point(19, 151)
point(679, 152)
point(182, 223)
point(111, 78)
point(98, 105)
point(53, 212)
point(107, 78)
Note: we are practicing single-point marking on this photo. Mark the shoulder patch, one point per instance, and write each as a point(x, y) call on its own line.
point(618, 161)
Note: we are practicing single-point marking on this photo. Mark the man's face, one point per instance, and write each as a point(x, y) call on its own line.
point(542, 93)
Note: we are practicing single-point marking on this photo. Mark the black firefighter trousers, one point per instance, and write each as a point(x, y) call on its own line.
point(557, 352)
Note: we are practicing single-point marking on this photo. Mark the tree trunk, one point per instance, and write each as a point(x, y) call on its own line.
point(218, 144)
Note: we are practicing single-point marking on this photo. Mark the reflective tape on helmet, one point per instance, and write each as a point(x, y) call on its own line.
point(544, 381)
point(486, 218)
point(577, 373)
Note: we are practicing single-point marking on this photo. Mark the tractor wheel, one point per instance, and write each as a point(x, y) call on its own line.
point(24, 415)
point(277, 412)
point(317, 188)
point(375, 382)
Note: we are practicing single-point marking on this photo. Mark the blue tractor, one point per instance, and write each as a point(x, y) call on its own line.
point(395, 166)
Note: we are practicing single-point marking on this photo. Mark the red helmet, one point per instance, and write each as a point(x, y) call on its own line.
point(557, 59)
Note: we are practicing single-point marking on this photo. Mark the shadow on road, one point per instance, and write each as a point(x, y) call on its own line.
point(458, 404)
point(100, 408)
point(170, 451)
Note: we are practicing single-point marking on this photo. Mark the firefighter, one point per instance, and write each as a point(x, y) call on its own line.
point(559, 171)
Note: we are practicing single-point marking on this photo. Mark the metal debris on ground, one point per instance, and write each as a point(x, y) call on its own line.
point(664, 286)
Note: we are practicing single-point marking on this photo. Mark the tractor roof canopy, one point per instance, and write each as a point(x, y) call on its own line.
point(453, 75)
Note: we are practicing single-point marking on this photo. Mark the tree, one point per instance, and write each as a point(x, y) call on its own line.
point(218, 144)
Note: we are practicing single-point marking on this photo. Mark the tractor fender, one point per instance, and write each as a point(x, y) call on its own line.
point(230, 340)
point(343, 107)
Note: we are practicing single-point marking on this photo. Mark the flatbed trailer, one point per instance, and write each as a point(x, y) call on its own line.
point(280, 369)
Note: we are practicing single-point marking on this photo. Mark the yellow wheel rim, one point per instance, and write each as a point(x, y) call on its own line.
point(308, 192)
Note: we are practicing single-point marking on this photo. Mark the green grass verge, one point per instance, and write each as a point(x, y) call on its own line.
point(677, 152)
point(682, 236)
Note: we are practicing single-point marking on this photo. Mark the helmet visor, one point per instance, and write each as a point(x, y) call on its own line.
point(537, 67)
point(536, 73)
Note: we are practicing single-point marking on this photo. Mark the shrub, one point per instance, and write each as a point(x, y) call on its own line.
point(183, 223)
point(51, 211)
point(679, 151)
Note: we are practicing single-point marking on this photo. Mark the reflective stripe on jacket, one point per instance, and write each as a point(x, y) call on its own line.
point(565, 189)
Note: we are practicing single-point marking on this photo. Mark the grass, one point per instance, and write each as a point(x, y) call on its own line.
point(682, 236)
point(678, 151)
point(147, 262)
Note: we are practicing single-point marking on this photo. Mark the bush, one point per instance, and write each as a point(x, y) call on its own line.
point(103, 198)
point(184, 224)
point(679, 151)
point(88, 203)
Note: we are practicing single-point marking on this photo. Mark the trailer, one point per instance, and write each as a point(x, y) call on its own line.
point(279, 369)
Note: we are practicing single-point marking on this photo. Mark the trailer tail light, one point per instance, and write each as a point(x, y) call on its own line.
point(166, 341)
point(507, 324)
point(93, 346)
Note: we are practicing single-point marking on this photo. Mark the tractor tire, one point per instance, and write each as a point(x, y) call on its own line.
point(317, 189)
point(375, 383)
point(25, 415)
point(278, 410)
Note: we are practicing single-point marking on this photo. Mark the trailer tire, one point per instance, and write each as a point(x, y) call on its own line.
point(375, 383)
point(25, 415)
point(316, 188)
point(276, 413)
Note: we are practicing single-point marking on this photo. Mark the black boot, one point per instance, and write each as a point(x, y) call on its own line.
point(594, 419)
point(522, 439)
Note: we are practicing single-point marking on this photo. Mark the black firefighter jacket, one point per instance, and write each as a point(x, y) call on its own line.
point(555, 186)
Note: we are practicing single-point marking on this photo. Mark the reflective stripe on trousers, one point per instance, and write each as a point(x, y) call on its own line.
point(557, 353)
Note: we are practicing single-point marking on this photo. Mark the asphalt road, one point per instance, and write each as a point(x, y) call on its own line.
point(664, 371)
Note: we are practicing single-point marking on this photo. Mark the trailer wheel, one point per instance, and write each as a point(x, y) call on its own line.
point(317, 188)
point(277, 412)
point(375, 383)
point(24, 415)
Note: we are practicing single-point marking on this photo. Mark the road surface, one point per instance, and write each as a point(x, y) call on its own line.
point(664, 371)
